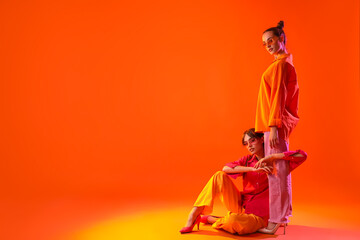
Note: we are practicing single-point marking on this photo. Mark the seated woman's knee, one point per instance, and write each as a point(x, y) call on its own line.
point(220, 173)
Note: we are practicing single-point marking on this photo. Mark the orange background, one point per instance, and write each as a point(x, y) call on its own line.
point(144, 100)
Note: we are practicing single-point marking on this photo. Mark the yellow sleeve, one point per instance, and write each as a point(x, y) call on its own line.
point(277, 95)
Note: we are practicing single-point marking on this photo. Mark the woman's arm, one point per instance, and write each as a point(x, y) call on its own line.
point(295, 157)
point(242, 169)
point(278, 93)
point(280, 77)
point(237, 169)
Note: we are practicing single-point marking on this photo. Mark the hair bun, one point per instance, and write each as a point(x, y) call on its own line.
point(280, 25)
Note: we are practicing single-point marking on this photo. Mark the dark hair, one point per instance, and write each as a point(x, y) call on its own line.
point(251, 133)
point(278, 30)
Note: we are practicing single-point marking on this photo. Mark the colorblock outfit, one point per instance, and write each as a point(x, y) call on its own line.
point(248, 210)
point(277, 105)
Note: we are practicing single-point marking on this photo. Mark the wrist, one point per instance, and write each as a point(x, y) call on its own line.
point(278, 156)
point(273, 129)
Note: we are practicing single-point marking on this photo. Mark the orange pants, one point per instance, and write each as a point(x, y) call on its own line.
point(236, 221)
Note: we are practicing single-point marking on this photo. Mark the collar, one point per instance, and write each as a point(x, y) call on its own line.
point(254, 158)
point(287, 57)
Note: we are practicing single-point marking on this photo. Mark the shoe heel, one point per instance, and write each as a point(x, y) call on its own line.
point(271, 231)
point(190, 229)
point(285, 228)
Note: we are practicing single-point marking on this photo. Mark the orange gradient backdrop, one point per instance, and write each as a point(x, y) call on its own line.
point(146, 99)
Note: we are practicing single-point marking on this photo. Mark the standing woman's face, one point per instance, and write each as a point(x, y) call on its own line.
point(272, 43)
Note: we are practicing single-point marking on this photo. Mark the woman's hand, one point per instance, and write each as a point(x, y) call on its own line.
point(268, 160)
point(274, 137)
point(266, 169)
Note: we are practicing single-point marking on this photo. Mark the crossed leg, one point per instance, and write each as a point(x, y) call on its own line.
point(220, 185)
point(236, 221)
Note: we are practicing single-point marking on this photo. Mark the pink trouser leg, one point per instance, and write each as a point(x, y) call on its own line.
point(279, 184)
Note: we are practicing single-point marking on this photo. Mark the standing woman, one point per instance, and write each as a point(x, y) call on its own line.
point(276, 117)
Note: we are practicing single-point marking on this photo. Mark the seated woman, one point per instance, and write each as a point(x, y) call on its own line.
point(248, 210)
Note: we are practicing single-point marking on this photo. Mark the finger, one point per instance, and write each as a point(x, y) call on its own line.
point(268, 169)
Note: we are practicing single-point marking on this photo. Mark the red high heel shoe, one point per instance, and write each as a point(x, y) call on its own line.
point(189, 229)
point(204, 218)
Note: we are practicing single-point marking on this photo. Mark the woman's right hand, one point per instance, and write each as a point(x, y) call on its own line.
point(274, 137)
point(265, 169)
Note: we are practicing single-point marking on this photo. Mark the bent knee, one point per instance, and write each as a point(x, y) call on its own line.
point(220, 173)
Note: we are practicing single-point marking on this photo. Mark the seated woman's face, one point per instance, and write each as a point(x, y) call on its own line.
point(254, 145)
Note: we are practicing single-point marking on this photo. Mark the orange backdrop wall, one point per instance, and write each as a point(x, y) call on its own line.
point(146, 99)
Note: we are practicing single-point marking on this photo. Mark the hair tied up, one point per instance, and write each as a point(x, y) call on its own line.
point(280, 25)
point(278, 30)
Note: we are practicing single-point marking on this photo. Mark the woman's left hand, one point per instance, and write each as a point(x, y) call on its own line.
point(265, 161)
point(266, 169)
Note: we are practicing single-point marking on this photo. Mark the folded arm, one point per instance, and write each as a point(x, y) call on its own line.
point(295, 159)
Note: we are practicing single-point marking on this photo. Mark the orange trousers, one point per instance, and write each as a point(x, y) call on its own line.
point(236, 221)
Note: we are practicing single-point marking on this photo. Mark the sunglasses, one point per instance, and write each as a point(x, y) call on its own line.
point(251, 140)
point(269, 41)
